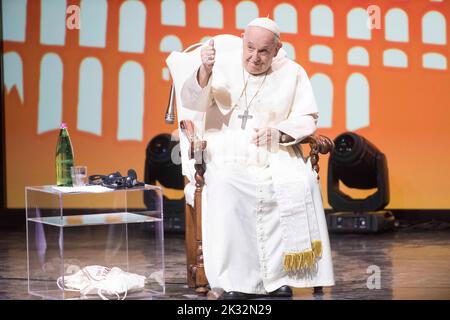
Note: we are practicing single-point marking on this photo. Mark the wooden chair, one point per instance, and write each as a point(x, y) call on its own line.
point(196, 277)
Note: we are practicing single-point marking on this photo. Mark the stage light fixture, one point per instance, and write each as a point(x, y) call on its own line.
point(159, 167)
point(358, 164)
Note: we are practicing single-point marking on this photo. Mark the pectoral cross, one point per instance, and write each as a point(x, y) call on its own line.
point(244, 118)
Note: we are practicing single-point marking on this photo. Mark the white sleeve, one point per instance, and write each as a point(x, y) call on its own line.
point(302, 120)
point(194, 97)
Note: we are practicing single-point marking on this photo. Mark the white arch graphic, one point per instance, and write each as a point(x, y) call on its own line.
point(170, 43)
point(131, 101)
point(358, 56)
point(322, 21)
point(357, 24)
point(14, 20)
point(132, 26)
point(323, 91)
point(290, 50)
point(395, 58)
point(165, 74)
point(13, 73)
point(321, 54)
point(173, 13)
point(210, 14)
point(434, 28)
point(90, 90)
point(93, 16)
point(50, 93)
point(286, 17)
point(246, 11)
point(53, 22)
point(357, 102)
point(434, 60)
point(396, 26)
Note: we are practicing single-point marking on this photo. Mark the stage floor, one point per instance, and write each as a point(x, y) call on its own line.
point(414, 263)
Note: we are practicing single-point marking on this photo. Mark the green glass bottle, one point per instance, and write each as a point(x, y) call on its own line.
point(64, 157)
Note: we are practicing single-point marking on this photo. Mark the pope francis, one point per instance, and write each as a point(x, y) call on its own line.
point(264, 230)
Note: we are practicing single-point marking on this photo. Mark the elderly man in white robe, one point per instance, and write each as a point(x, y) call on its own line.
point(264, 230)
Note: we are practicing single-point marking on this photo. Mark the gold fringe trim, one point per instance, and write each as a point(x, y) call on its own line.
point(303, 260)
point(317, 248)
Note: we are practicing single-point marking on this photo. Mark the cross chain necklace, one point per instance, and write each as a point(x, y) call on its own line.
point(246, 115)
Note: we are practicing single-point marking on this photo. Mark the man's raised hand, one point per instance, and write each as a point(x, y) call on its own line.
point(208, 56)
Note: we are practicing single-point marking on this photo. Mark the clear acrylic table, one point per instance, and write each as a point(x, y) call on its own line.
point(69, 229)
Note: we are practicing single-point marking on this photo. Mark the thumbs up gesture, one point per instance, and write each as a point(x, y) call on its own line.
point(208, 55)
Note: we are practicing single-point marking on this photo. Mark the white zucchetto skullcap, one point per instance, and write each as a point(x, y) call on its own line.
point(265, 23)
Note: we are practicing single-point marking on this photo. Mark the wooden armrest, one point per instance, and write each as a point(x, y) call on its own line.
point(187, 127)
point(197, 146)
point(318, 144)
point(197, 151)
point(321, 144)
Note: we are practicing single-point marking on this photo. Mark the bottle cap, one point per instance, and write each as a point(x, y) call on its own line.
point(63, 125)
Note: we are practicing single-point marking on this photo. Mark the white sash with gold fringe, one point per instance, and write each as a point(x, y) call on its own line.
point(300, 228)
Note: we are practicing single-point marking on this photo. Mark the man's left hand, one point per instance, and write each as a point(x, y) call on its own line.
point(266, 136)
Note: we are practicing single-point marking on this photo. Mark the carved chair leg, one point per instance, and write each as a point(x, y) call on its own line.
point(190, 246)
point(201, 282)
point(202, 291)
point(200, 276)
point(195, 269)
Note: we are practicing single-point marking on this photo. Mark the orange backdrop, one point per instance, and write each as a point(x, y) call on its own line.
point(409, 107)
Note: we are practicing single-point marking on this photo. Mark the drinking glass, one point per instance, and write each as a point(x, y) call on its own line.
point(79, 175)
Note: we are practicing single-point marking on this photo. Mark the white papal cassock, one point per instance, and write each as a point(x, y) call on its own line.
point(250, 190)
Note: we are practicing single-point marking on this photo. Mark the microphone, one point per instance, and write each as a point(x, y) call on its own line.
point(170, 112)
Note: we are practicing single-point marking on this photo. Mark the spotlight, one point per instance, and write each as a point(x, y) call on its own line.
point(358, 164)
point(159, 167)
